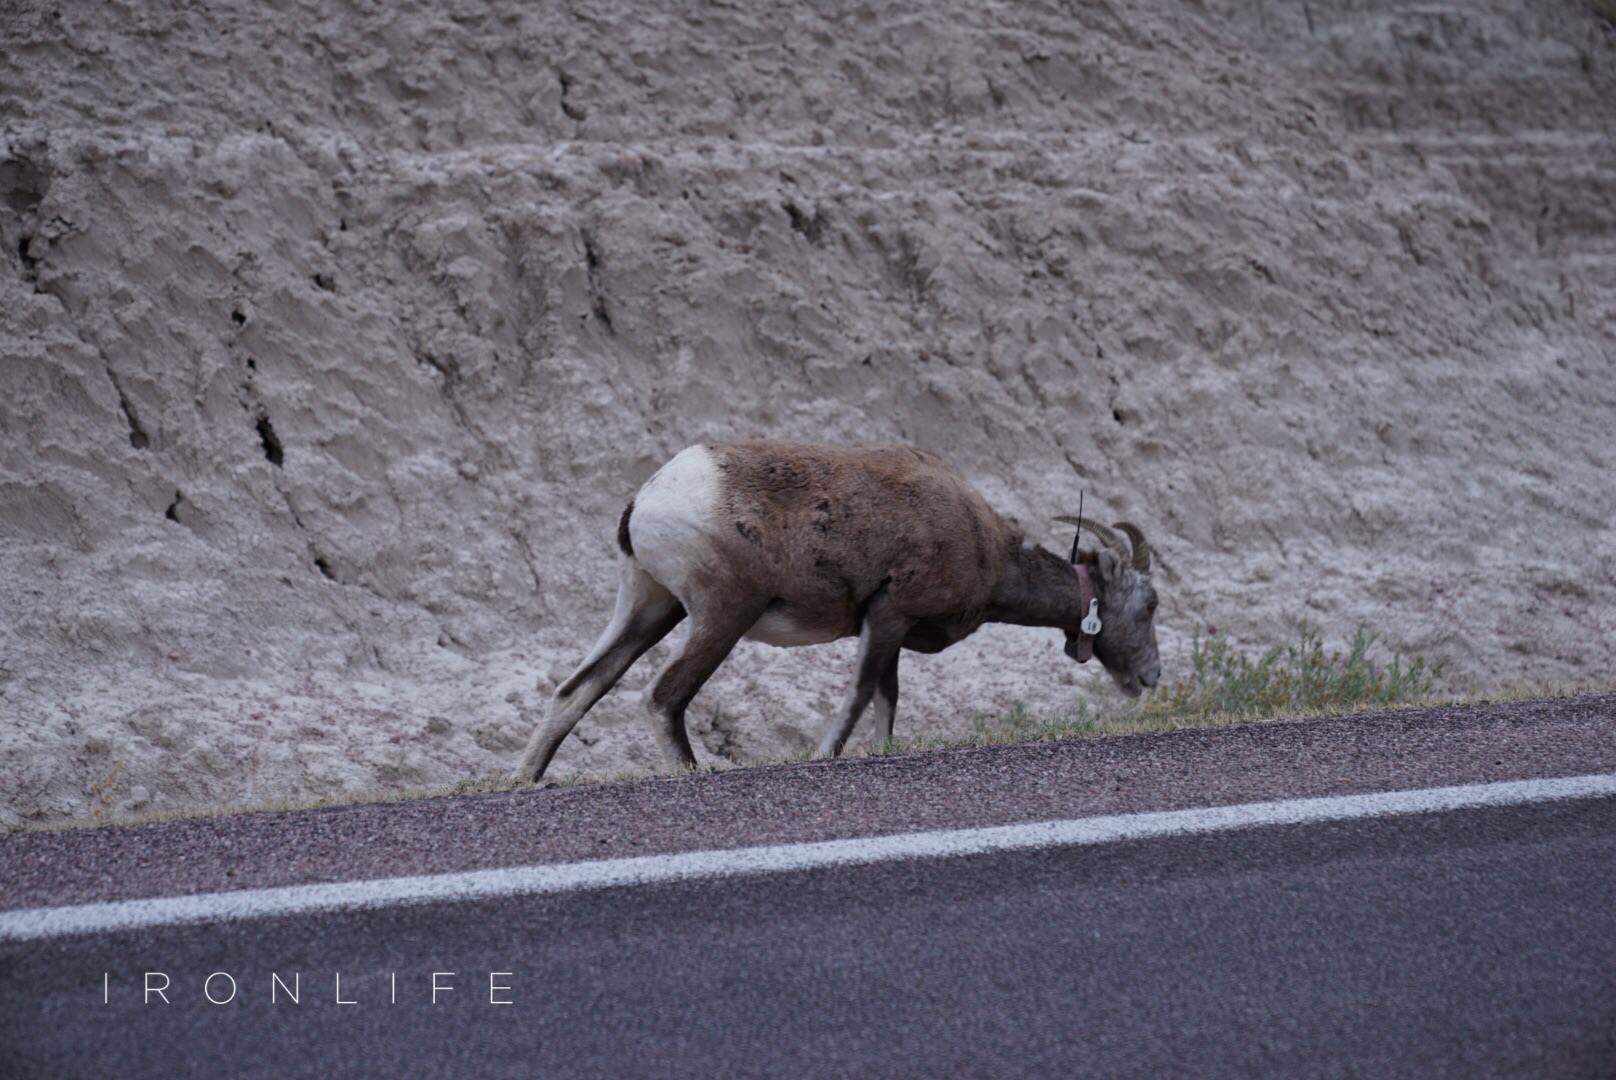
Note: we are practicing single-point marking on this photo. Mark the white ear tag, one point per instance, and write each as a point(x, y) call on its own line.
point(1091, 622)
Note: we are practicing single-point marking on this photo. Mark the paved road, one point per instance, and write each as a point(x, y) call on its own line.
point(1468, 944)
point(1472, 943)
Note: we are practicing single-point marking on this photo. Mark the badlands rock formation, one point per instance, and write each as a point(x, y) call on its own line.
point(333, 337)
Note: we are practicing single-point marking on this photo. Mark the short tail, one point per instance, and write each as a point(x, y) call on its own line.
point(624, 543)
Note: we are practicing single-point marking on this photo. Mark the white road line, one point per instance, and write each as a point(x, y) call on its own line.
point(52, 922)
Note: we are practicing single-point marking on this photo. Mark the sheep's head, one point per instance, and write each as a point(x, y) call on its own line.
point(1126, 643)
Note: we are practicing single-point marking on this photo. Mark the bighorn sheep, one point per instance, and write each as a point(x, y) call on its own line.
point(795, 544)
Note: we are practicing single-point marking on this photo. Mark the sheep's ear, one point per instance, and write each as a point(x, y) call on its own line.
point(1110, 566)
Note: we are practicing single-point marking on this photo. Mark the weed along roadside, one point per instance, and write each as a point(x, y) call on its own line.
point(1293, 678)
point(1298, 678)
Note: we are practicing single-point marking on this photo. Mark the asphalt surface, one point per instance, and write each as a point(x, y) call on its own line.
point(1471, 943)
point(1468, 944)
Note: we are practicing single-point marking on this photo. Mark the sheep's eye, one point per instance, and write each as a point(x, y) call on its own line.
point(1150, 608)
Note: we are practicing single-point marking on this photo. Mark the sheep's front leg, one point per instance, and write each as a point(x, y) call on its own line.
point(886, 701)
point(880, 639)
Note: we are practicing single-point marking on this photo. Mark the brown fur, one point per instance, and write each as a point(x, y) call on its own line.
point(890, 543)
point(819, 529)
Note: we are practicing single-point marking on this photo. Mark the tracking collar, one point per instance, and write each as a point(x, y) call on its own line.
point(1082, 647)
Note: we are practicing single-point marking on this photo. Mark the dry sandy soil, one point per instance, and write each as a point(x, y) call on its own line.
point(333, 337)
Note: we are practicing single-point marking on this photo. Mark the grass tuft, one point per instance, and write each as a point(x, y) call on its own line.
point(104, 793)
point(1019, 725)
point(1294, 677)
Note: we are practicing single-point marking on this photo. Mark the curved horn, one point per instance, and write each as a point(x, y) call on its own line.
point(1105, 535)
point(1141, 546)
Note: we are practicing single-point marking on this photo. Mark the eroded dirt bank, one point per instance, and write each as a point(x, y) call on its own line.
point(333, 337)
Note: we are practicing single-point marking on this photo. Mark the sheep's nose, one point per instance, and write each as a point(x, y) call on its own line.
point(1153, 676)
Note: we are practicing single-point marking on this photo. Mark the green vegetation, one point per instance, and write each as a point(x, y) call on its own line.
point(1016, 726)
point(1224, 686)
point(1297, 677)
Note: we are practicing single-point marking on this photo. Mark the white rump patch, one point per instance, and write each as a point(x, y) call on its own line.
point(673, 519)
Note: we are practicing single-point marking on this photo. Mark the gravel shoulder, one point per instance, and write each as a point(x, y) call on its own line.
point(816, 801)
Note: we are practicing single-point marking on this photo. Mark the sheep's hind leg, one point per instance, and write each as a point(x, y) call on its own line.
point(645, 613)
point(880, 639)
point(713, 634)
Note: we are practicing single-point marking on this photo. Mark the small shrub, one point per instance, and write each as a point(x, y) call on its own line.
point(104, 793)
point(1295, 677)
